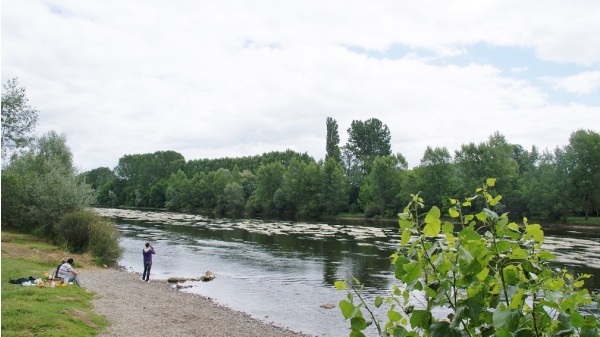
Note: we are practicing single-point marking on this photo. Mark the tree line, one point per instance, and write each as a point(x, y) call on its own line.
point(361, 176)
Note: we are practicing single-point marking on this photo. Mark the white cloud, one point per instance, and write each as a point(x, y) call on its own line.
point(583, 83)
point(238, 78)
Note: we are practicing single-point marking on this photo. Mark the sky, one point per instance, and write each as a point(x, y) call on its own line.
point(233, 78)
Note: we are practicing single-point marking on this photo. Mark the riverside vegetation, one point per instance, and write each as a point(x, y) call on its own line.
point(489, 273)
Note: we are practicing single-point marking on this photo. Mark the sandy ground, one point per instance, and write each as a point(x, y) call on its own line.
point(137, 308)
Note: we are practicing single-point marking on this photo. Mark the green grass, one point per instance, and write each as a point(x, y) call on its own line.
point(42, 311)
point(582, 220)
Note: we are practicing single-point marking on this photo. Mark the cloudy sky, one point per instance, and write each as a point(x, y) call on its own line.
point(231, 78)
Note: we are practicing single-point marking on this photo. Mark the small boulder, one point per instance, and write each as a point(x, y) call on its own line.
point(208, 277)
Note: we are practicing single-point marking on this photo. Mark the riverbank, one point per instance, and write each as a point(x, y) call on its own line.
point(137, 308)
point(111, 298)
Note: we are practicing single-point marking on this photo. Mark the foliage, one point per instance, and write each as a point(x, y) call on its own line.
point(19, 119)
point(490, 274)
point(83, 231)
point(334, 188)
point(367, 140)
point(547, 186)
point(584, 162)
point(332, 140)
point(36, 311)
point(41, 186)
point(378, 191)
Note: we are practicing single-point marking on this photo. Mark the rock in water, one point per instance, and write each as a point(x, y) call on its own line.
point(208, 276)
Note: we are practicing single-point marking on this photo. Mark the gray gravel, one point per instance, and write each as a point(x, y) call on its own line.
point(155, 308)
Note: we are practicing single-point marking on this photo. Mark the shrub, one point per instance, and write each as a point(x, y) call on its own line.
point(83, 231)
point(490, 273)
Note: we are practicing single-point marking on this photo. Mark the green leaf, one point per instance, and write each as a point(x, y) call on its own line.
point(506, 319)
point(358, 323)
point(481, 216)
point(356, 334)
point(340, 285)
point(496, 200)
point(518, 254)
point(465, 255)
point(555, 284)
point(443, 329)
point(546, 255)
point(534, 232)
point(420, 318)
point(413, 272)
point(347, 309)
point(405, 224)
point(400, 272)
point(482, 275)
point(490, 182)
point(515, 302)
point(394, 316)
point(513, 226)
point(378, 301)
point(406, 234)
point(503, 246)
point(432, 228)
point(511, 275)
point(453, 213)
point(433, 215)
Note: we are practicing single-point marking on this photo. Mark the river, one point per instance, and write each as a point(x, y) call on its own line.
point(282, 272)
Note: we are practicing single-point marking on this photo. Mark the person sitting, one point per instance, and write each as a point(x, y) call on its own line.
point(64, 260)
point(68, 274)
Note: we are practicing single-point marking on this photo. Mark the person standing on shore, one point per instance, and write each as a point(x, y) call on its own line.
point(148, 251)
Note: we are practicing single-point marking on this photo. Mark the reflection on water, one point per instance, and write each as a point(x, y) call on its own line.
point(283, 271)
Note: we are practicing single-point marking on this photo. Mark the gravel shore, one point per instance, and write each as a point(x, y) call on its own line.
point(155, 308)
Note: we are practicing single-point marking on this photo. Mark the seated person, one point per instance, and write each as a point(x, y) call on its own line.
point(61, 263)
point(68, 274)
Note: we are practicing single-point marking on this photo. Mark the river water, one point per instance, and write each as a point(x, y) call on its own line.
point(283, 272)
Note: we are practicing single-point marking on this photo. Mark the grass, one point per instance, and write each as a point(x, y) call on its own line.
point(43, 311)
point(592, 220)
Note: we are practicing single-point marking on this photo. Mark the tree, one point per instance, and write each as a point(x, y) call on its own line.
point(379, 190)
point(19, 119)
point(332, 140)
point(233, 196)
point(493, 158)
point(268, 180)
point(367, 140)
point(44, 180)
point(436, 176)
point(334, 190)
point(583, 160)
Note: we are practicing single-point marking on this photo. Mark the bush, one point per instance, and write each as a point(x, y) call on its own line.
point(490, 273)
point(85, 231)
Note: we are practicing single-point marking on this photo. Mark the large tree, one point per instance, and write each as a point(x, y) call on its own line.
point(41, 185)
point(332, 145)
point(367, 140)
point(435, 177)
point(19, 119)
point(583, 161)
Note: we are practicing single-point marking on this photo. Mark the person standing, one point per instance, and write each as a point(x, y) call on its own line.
point(148, 251)
point(68, 274)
